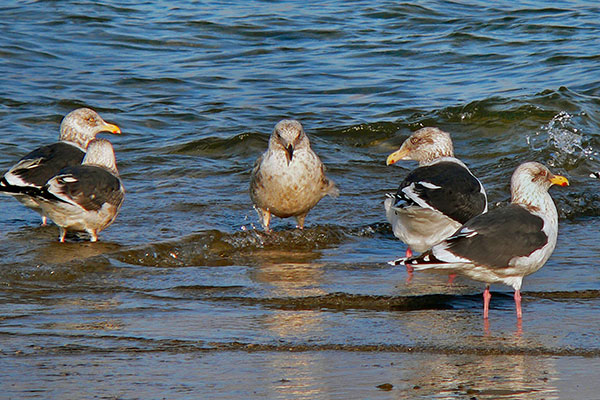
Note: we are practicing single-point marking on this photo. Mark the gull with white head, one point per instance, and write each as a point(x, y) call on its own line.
point(25, 179)
point(435, 198)
point(507, 243)
point(86, 197)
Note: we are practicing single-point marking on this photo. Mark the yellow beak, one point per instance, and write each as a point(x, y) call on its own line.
point(397, 156)
point(112, 129)
point(559, 180)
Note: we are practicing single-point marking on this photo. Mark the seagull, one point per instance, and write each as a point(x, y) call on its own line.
point(25, 179)
point(437, 197)
point(507, 243)
point(288, 179)
point(85, 197)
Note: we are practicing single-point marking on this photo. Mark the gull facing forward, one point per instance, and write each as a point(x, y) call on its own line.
point(288, 180)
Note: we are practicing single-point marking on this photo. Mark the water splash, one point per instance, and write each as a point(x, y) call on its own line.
point(564, 141)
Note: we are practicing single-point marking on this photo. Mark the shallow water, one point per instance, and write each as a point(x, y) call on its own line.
point(184, 293)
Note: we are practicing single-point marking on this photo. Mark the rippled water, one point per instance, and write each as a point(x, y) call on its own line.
point(184, 297)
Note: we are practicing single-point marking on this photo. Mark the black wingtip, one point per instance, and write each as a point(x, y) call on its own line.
point(399, 261)
point(44, 193)
point(426, 258)
point(6, 187)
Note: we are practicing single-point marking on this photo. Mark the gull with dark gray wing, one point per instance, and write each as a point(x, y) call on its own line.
point(25, 179)
point(437, 197)
point(86, 197)
point(507, 243)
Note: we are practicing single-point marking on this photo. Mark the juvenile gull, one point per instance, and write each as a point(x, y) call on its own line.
point(85, 197)
point(25, 179)
point(289, 178)
point(436, 198)
point(507, 243)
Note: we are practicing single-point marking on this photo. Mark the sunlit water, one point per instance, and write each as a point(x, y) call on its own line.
point(185, 295)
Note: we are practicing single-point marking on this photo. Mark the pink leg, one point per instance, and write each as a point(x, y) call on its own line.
point(408, 254)
point(486, 302)
point(518, 304)
point(300, 220)
point(61, 234)
point(266, 215)
point(451, 278)
point(409, 268)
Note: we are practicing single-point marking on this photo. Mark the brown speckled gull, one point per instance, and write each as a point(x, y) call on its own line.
point(288, 180)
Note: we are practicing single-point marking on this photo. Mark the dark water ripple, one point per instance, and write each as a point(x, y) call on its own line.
point(185, 269)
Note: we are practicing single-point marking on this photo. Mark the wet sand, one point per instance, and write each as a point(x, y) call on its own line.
point(293, 374)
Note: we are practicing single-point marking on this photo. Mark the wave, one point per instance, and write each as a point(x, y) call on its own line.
point(249, 247)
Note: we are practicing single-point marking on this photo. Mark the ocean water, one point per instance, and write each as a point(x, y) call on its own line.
point(185, 296)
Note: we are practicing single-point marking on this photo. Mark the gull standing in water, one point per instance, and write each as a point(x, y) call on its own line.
point(507, 243)
point(437, 197)
point(85, 197)
point(288, 180)
point(25, 179)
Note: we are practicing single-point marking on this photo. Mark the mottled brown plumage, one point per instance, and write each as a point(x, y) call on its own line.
point(288, 180)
